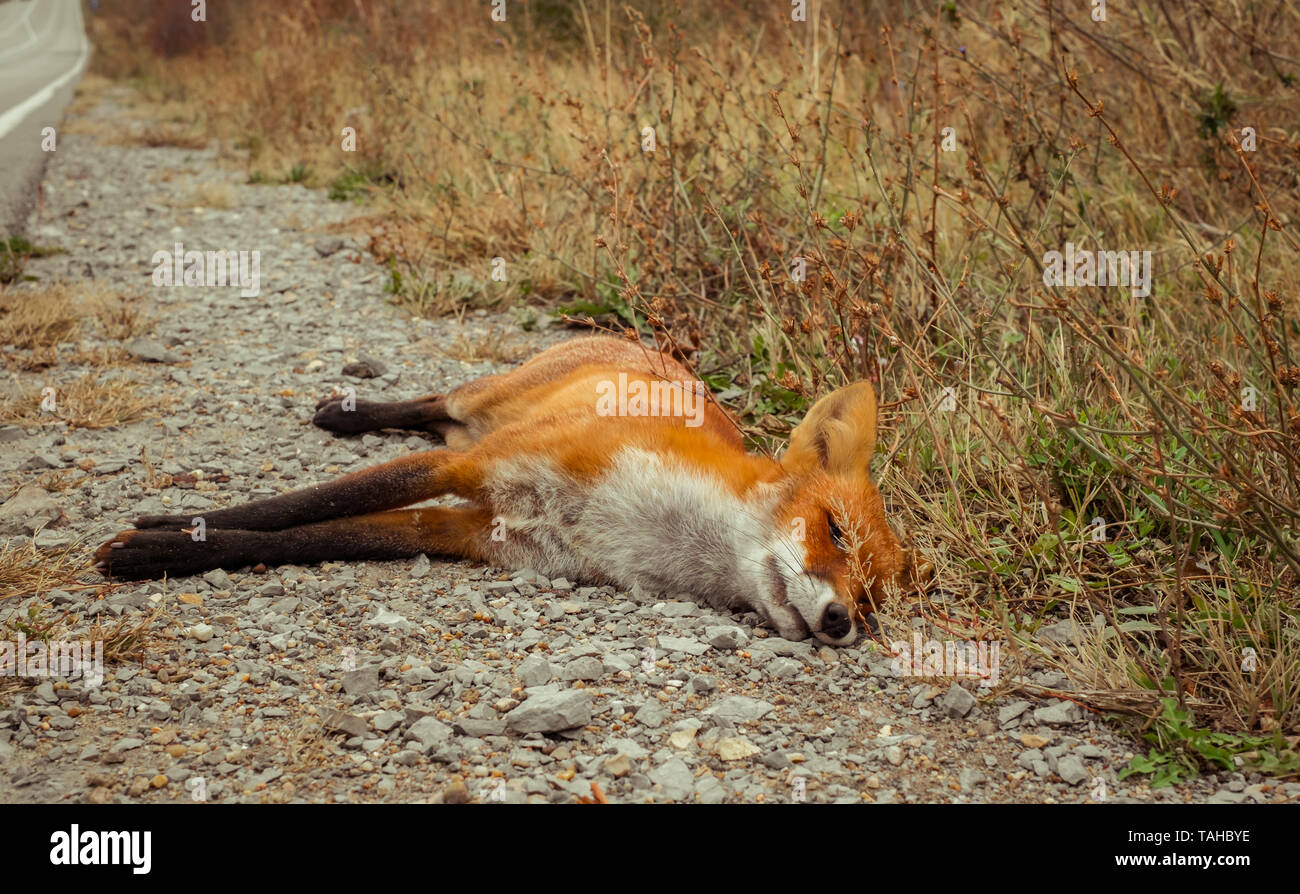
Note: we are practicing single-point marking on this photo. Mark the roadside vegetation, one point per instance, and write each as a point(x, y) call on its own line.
point(873, 194)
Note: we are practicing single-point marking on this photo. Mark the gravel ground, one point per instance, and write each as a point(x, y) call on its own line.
point(422, 680)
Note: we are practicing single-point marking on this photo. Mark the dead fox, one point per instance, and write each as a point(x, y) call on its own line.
point(599, 460)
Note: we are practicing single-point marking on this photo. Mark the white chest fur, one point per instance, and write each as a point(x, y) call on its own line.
point(649, 521)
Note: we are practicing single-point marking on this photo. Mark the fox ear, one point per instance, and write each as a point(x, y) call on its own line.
point(838, 435)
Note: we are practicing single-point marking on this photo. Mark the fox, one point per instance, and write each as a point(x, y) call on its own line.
point(601, 460)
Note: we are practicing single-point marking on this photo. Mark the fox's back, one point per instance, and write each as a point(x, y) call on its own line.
point(585, 378)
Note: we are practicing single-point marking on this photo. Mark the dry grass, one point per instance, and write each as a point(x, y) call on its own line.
point(155, 135)
point(39, 318)
point(304, 743)
point(94, 400)
point(211, 195)
point(103, 131)
point(122, 317)
point(29, 571)
point(499, 346)
point(58, 481)
point(167, 175)
point(1014, 411)
point(126, 639)
point(91, 90)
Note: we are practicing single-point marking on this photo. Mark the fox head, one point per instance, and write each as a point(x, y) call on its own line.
point(833, 553)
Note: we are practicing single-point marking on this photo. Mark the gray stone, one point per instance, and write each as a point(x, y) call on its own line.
point(776, 760)
point(62, 597)
point(46, 539)
point(739, 709)
point(328, 245)
point(27, 511)
point(957, 702)
point(467, 726)
point(630, 747)
point(588, 668)
point(535, 671)
point(652, 714)
point(1062, 713)
point(969, 777)
point(218, 579)
point(689, 645)
point(675, 778)
point(551, 712)
point(1063, 632)
point(1010, 712)
point(386, 720)
point(407, 757)
point(365, 368)
point(420, 567)
point(429, 732)
point(149, 351)
point(1071, 769)
point(361, 681)
point(1028, 758)
point(709, 791)
point(139, 599)
point(340, 721)
point(677, 609)
point(388, 620)
point(704, 683)
point(726, 637)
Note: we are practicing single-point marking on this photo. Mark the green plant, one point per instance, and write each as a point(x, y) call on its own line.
point(1180, 750)
point(14, 253)
point(356, 184)
point(1217, 109)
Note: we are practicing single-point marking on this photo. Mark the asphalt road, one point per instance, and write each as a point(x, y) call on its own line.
point(43, 51)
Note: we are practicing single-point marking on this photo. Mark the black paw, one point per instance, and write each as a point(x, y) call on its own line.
point(331, 416)
point(146, 555)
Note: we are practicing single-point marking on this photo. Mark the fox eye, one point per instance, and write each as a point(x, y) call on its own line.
point(837, 535)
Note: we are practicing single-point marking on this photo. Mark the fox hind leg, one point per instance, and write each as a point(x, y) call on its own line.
point(401, 482)
point(459, 532)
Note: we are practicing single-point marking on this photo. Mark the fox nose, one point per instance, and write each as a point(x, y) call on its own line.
point(835, 621)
